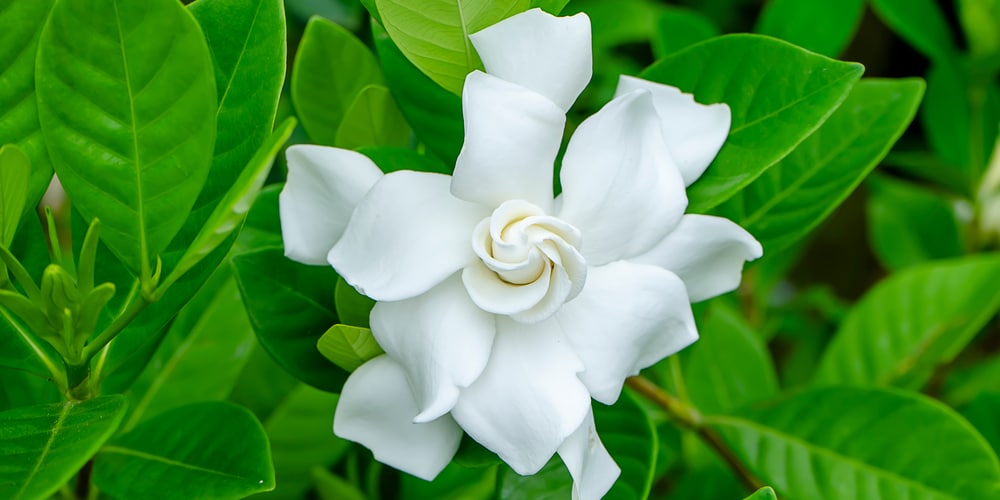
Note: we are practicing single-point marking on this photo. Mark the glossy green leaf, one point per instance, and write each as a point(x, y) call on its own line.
point(42, 447)
point(203, 450)
point(765, 493)
point(822, 26)
point(778, 93)
point(290, 306)
point(391, 159)
point(301, 438)
point(373, 119)
point(853, 442)
point(434, 34)
point(729, 366)
point(434, 113)
point(913, 321)
point(22, 351)
point(15, 170)
point(553, 7)
point(919, 22)
point(22, 22)
point(794, 196)
point(908, 224)
point(455, 482)
point(331, 67)
point(201, 356)
point(348, 346)
point(247, 41)
point(352, 308)
point(331, 487)
point(262, 227)
point(678, 28)
point(127, 105)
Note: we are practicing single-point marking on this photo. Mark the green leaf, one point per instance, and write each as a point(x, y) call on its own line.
point(22, 22)
point(982, 413)
point(331, 67)
point(981, 23)
point(553, 7)
point(262, 227)
point(455, 482)
point(300, 437)
point(42, 447)
point(263, 385)
point(15, 170)
point(348, 346)
point(822, 26)
point(434, 113)
point(853, 442)
point(919, 22)
point(201, 356)
point(373, 120)
point(331, 487)
point(908, 224)
point(794, 196)
point(765, 493)
point(678, 28)
point(434, 34)
point(290, 306)
point(729, 366)
point(127, 105)
point(353, 308)
point(778, 93)
point(21, 350)
point(202, 450)
point(247, 42)
point(911, 322)
point(391, 159)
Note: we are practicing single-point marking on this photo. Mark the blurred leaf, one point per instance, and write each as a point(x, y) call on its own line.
point(677, 28)
point(348, 346)
point(822, 26)
point(765, 493)
point(290, 306)
point(372, 120)
point(853, 442)
point(262, 227)
point(391, 159)
point(263, 385)
point(455, 482)
point(15, 170)
point(908, 224)
point(353, 308)
point(801, 190)
point(981, 23)
point(911, 322)
point(925, 165)
point(434, 34)
point(42, 447)
point(552, 482)
point(22, 22)
point(778, 93)
point(331, 487)
point(729, 366)
point(982, 413)
point(114, 116)
point(331, 67)
point(919, 22)
point(964, 384)
point(211, 449)
point(434, 113)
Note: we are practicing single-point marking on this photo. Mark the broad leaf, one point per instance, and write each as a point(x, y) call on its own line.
point(794, 196)
point(202, 450)
point(42, 447)
point(22, 350)
point(348, 346)
point(913, 321)
point(373, 120)
point(679, 28)
point(847, 442)
point(22, 22)
point(778, 93)
point(331, 67)
point(15, 170)
point(353, 308)
point(127, 104)
point(982, 413)
point(331, 487)
point(919, 22)
point(392, 159)
point(434, 34)
point(822, 26)
point(290, 306)
point(455, 482)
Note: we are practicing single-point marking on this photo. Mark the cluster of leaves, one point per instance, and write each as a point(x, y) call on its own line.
point(208, 365)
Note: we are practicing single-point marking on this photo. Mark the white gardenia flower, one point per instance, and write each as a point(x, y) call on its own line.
point(503, 309)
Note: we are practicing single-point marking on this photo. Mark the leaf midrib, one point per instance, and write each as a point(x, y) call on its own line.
point(847, 75)
point(121, 450)
point(56, 427)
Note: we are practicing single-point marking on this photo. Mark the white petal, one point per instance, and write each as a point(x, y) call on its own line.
point(512, 136)
point(440, 338)
point(620, 187)
point(407, 235)
point(593, 470)
point(323, 187)
point(629, 316)
point(376, 409)
point(528, 400)
point(694, 132)
point(707, 252)
point(547, 54)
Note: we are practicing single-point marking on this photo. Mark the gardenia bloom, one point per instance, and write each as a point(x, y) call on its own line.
point(502, 309)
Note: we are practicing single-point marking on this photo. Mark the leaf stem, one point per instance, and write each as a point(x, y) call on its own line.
point(688, 417)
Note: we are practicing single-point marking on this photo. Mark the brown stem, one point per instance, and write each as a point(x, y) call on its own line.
point(689, 418)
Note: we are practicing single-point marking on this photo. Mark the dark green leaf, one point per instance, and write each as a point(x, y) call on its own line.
point(15, 170)
point(348, 346)
point(455, 482)
point(853, 442)
point(290, 306)
point(982, 413)
point(392, 159)
point(352, 307)
point(263, 385)
point(678, 28)
point(373, 120)
point(202, 450)
point(331, 487)
point(823, 26)
point(42, 447)
point(913, 321)
point(779, 94)
point(127, 104)
point(919, 22)
point(794, 196)
point(263, 225)
point(981, 23)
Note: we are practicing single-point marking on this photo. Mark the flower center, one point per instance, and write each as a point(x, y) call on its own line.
point(529, 263)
